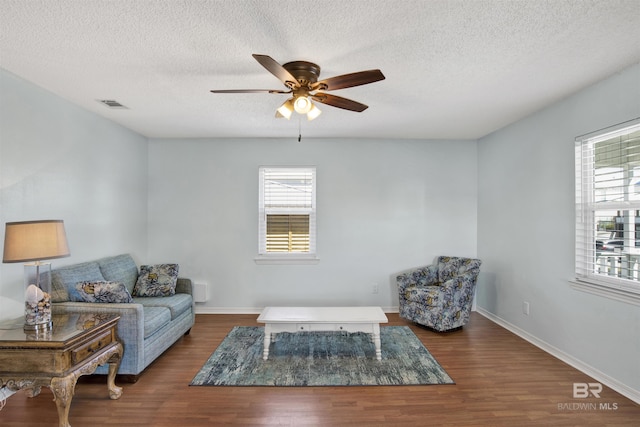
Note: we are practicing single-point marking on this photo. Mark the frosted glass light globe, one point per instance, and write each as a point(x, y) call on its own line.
point(302, 105)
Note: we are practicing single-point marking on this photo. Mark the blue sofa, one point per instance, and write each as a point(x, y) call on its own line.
point(148, 326)
point(439, 295)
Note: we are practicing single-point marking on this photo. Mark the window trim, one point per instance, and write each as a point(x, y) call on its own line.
point(288, 259)
point(619, 289)
point(608, 290)
point(282, 258)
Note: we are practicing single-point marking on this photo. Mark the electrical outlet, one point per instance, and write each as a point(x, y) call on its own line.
point(525, 308)
point(374, 288)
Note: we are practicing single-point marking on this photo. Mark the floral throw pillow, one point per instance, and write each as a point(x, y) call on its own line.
point(100, 291)
point(156, 280)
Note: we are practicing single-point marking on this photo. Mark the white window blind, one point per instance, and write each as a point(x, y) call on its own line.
point(608, 209)
point(287, 210)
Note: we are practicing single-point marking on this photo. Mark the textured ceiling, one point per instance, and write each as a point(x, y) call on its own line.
point(454, 69)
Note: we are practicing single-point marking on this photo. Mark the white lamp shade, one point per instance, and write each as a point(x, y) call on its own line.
point(35, 241)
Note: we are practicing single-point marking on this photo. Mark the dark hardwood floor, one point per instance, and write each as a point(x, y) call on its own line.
point(501, 380)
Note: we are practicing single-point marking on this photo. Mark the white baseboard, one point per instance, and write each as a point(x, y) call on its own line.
point(254, 310)
point(228, 310)
point(596, 374)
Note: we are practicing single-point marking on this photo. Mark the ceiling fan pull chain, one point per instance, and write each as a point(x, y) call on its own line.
point(299, 131)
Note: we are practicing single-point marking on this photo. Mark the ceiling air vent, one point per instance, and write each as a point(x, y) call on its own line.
point(111, 103)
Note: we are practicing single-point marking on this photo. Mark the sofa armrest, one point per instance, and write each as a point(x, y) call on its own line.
point(121, 309)
point(421, 276)
point(184, 286)
point(130, 326)
point(462, 282)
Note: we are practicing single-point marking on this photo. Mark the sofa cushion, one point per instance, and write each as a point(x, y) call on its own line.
point(120, 268)
point(154, 319)
point(156, 280)
point(65, 278)
point(100, 291)
point(177, 304)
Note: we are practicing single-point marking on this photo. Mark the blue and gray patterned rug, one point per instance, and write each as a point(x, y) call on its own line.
point(321, 359)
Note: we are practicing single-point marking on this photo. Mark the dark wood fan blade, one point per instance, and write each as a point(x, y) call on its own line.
point(250, 91)
point(349, 80)
point(340, 102)
point(277, 70)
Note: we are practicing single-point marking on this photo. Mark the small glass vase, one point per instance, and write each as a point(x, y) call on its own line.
point(37, 296)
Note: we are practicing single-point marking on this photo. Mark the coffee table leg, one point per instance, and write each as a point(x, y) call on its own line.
point(376, 341)
point(267, 341)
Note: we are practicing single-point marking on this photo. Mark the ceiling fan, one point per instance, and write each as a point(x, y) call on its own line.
point(301, 80)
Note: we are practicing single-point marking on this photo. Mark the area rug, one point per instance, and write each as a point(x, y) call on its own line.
point(321, 359)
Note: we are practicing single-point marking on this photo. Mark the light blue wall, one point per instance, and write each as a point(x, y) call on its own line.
point(58, 161)
point(383, 206)
point(526, 231)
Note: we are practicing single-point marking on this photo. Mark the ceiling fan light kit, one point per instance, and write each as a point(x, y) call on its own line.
point(302, 105)
point(314, 112)
point(285, 109)
point(301, 80)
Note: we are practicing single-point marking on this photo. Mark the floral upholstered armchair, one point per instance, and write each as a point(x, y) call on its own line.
point(439, 295)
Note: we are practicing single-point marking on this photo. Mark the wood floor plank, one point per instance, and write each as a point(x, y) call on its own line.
point(501, 380)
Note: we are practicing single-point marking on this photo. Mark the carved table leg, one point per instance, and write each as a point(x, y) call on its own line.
point(63, 389)
point(114, 363)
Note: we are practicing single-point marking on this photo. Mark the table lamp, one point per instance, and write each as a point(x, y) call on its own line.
point(32, 242)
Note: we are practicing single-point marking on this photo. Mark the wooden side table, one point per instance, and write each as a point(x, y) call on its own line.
point(75, 346)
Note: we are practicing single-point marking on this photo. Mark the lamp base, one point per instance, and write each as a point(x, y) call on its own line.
point(37, 305)
point(38, 326)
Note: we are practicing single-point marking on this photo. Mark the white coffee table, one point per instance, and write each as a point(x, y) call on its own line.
point(298, 319)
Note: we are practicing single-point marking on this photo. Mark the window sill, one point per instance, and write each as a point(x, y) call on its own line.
point(286, 260)
point(606, 290)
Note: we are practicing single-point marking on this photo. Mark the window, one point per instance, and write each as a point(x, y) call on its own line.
point(608, 212)
point(287, 214)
